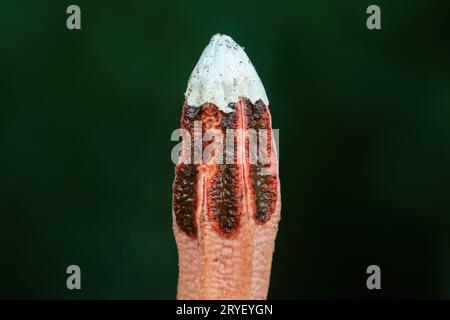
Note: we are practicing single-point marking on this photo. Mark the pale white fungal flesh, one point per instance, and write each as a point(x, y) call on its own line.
point(223, 75)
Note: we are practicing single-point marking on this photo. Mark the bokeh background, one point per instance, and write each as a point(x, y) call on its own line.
point(86, 118)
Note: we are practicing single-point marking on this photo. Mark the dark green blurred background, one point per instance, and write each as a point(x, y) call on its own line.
point(86, 118)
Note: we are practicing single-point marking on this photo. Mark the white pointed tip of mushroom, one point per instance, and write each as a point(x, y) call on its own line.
point(223, 75)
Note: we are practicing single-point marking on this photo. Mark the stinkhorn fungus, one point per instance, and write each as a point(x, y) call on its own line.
point(226, 193)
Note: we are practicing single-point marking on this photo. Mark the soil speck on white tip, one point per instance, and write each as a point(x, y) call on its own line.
point(223, 75)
